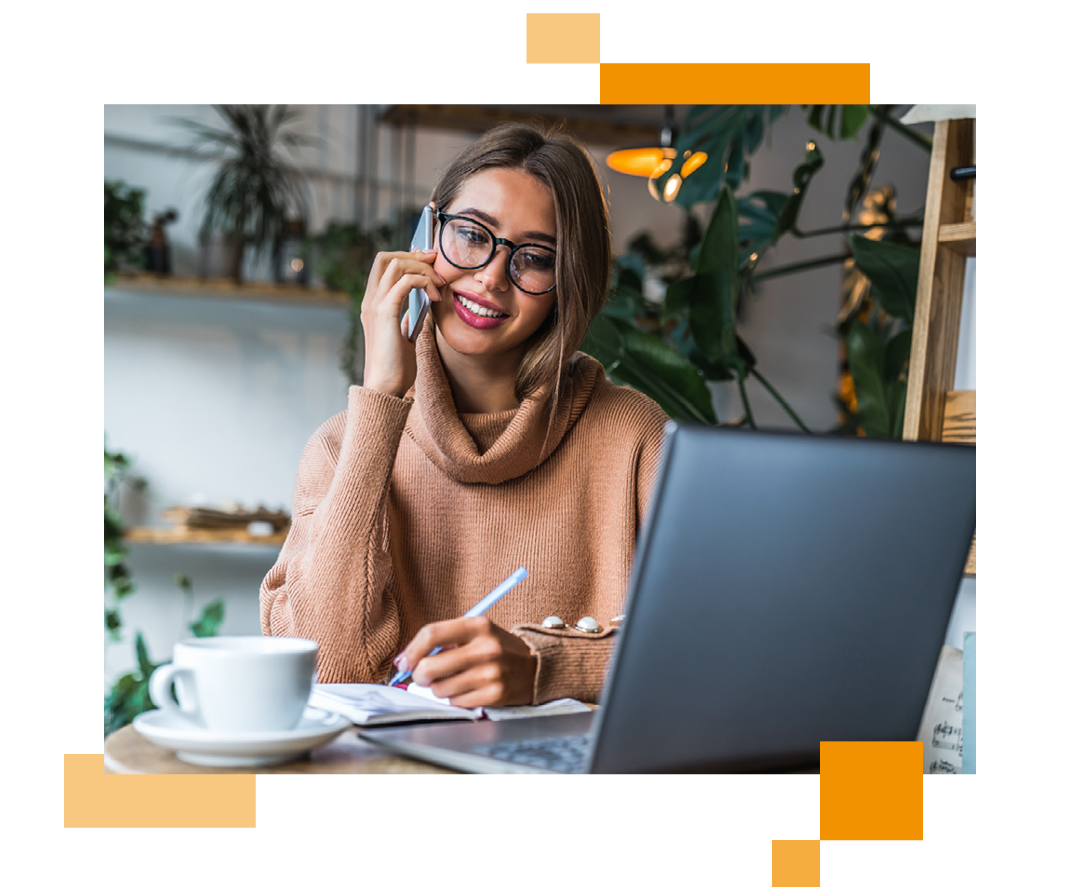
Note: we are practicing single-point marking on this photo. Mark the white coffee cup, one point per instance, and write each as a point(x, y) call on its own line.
point(238, 684)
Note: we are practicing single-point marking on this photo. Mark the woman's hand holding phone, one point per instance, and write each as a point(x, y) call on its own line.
point(389, 357)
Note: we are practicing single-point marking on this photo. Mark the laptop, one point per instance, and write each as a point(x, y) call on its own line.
point(786, 590)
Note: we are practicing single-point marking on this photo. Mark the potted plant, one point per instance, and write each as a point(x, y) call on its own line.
point(125, 231)
point(256, 189)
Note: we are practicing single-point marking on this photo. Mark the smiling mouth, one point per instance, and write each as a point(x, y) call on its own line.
point(478, 309)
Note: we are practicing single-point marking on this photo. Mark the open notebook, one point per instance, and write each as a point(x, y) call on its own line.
point(377, 704)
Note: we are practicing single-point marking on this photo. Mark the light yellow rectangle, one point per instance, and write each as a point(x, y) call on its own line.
point(157, 830)
point(562, 37)
point(796, 863)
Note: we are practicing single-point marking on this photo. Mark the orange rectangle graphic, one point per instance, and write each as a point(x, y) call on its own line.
point(871, 790)
point(562, 37)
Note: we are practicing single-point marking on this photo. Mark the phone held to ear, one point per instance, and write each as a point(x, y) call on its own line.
point(424, 238)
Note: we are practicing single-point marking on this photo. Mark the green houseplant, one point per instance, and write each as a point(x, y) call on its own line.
point(671, 351)
point(129, 695)
point(256, 189)
point(125, 230)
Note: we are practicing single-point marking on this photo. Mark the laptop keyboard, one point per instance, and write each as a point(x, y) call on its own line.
point(558, 754)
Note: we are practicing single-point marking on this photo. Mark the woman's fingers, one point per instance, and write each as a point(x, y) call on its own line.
point(438, 634)
point(488, 663)
point(453, 661)
point(389, 357)
point(470, 678)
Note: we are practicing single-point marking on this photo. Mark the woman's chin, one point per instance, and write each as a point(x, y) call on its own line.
point(466, 340)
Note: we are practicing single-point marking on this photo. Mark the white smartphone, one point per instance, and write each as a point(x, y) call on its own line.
point(424, 238)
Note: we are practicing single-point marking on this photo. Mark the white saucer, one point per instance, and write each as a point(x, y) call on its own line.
point(201, 747)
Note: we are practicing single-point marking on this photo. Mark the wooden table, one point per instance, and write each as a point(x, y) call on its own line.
point(128, 753)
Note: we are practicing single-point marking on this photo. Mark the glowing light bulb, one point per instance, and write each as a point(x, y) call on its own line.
point(639, 162)
point(693, 162)
point(671, 188)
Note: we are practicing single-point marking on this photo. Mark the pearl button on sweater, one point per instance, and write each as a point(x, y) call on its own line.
point(406, 512)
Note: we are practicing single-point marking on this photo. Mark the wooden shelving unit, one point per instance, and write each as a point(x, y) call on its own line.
point(934, 412)
point(181, 535)
point(970, 239)
point(152, 287)
point(196, 288)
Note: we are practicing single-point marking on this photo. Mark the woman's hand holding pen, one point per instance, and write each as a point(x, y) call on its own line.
point(389, 357)
point(487, 666)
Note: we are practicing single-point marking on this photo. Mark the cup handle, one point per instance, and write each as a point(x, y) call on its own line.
point(161, 689)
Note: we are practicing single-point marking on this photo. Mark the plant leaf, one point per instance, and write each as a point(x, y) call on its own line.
point(206, 626)
point(603, 341)
point(893, 272)
point(854, 117)
point(112, 620)
point(670, 376)
point(715, 289)
point(897, 353)
point(841, 122)
point(860, 181)
point(866, 359)
point(801, 177)
point(898, 401)
point(146, 668)
point(678, 299)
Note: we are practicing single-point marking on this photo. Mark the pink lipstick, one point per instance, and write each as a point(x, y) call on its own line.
point(474, 319)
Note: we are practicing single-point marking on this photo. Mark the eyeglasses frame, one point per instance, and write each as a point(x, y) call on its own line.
point(496, 241)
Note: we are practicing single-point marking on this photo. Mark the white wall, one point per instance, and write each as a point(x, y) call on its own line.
point(215, 400)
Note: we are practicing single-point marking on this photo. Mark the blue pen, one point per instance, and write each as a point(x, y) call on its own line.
point(501, 590)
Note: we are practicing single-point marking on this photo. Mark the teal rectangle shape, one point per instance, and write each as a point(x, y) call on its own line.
point(34, 740)
point(1014, 740)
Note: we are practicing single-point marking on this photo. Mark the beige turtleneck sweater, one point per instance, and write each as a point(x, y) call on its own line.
point(406, 512)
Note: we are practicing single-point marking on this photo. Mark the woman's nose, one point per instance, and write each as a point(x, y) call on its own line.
point(494, 276)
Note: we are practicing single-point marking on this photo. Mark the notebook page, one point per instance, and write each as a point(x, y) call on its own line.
point(367, 704)
point(942, 728)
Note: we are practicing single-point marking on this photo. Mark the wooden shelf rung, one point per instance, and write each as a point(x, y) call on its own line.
point(1004, 240)
point(184, 535)
point(976, 416)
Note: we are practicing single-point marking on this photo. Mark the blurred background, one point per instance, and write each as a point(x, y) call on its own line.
point(237, 243)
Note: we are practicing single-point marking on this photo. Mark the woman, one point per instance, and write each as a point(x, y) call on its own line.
point(486, 446)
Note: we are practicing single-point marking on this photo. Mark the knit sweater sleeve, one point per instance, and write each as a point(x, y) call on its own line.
point(329, 583)
point(571, 663)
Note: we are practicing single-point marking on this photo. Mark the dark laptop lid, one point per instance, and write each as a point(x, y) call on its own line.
point(787, 590)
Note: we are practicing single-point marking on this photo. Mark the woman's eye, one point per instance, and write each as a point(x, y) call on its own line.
point(472, 236)
point(537, 261)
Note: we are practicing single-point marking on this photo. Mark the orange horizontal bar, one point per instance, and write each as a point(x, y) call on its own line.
point(839, 82)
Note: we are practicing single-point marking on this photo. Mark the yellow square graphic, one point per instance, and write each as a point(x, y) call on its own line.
point(871, 790)
point(562, 37)
point(796, 863)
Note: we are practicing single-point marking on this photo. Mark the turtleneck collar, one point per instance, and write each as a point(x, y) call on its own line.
point(497, 447)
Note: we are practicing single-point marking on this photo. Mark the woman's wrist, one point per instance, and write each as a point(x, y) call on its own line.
point(394, 390)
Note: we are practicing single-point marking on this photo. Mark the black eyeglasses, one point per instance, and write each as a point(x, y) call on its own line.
point(468, 245)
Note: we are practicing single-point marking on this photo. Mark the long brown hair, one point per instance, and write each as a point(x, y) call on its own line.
point(583, 251)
